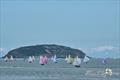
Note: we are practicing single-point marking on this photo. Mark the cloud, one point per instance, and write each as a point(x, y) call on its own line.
point(80, 48)
point(104, 48)
point(1, 49)
point(101, 49)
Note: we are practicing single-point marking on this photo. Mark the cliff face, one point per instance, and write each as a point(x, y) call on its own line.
point(49, 50)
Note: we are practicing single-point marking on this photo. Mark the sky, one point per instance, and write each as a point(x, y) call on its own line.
point(89, 25)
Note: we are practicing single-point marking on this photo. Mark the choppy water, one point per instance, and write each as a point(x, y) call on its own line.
point(20, 70)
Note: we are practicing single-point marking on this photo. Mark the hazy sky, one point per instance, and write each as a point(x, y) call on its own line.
point(90, 25)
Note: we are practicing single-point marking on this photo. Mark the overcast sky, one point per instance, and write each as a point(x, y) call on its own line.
point(90, 25)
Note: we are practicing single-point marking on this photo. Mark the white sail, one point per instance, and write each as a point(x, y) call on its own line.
point(104, 61)
point(54, 59)
point(77, 62)
point(33, 58)
point(86, 59)
point(11, 58)
point(108, 72)
point(69, 59)
point(66, 58)
point(6, 59)
point(30, 59)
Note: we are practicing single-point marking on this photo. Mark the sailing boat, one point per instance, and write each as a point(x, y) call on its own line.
point(11, 57)
point(77, 62)
point(66, 58)
point(41, 60)
point(45, 59)
point(33, 58)
point(104, 61)
point(108, 72)
point(6, 59)
point(30, 59)
point(54, 59)
point(86, 59)
point(70, 59)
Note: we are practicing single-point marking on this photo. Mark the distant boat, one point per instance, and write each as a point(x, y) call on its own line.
point(77, 62)
point(70, 60)
point(6, 59)
point(86, 59)
point(104, 61)
point(42, 60)
point(108, 72)
point(11, 58)
point(54, 59)
point(33, 58)
point(30, 60)
point(66, 58)
point(45, 59)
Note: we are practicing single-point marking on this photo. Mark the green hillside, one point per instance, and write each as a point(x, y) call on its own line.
point(49, 50)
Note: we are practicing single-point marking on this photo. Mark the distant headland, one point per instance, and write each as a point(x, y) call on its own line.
point(45, 49)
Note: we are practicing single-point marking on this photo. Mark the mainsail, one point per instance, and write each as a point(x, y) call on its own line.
point(41, 60)
point(33, 58)
point(6, 59)
point(86, 59)
point(30, 59)
point(104, 61)
point(66, 58)
point(54, 59)
point(45, 59)
point(70, 59)
point(77, 62)
point(11, 57)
